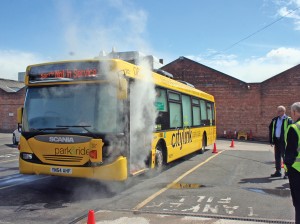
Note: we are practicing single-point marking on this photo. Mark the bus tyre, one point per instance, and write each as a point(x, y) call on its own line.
point(202, 150)
point(159, 158)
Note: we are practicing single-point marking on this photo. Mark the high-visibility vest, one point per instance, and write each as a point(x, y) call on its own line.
point(296, 127)
point(285, 124)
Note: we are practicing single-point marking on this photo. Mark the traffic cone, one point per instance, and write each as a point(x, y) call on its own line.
point(215, 149)
point(91, 217)
point(232, 143)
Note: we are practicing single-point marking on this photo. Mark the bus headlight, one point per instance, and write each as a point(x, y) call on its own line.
point(27, 156)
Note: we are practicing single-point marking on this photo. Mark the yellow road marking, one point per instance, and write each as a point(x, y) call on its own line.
point(153, 196)
point(9, 160)
point(13, 185)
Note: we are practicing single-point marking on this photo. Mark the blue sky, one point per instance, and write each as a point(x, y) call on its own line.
point(34, 31)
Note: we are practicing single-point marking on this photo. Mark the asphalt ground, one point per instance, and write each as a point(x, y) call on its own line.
point(8, 156)
point(232, 186)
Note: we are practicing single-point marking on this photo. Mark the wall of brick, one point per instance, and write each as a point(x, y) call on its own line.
point(9, 103)
point(240, 105)
point(281, 89)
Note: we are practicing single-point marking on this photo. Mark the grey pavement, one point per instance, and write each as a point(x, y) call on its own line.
point(233, 187)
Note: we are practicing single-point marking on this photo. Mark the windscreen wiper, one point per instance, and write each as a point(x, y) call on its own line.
point(48, 129)
point(76, 126)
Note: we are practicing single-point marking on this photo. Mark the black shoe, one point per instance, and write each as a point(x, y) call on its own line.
point(285, 177)
point(276, 174)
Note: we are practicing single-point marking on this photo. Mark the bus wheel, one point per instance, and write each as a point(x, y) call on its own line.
point(203, 145)
point(159, 158)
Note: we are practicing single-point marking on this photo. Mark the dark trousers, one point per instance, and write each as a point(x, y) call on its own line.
point(294, 178)
point(279, 153)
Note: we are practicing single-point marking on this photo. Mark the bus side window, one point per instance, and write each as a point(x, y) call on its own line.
point(162, 120)
point(196, 112)
point(210, 113)
point(161, 100)
point(175, 110)
point(204, 119)
point(187, 111)
point(213, 113)
point(175, 115)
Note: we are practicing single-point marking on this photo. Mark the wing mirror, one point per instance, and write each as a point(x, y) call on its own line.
point(19, 117)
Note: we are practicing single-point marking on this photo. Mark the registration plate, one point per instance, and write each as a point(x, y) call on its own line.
point(61, 170)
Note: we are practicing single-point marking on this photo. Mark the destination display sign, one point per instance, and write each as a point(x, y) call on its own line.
point(67, 71)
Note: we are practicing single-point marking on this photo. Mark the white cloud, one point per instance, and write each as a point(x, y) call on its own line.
point(85, 40)
point(255, 69)
point(12, 62)
point(126, 30)
point(290, 9)
point(284, 55)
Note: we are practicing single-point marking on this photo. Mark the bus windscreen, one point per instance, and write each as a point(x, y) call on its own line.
point(73, 109)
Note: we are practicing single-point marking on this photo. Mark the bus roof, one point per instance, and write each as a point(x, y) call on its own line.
point(164, 81)
point(62, 72)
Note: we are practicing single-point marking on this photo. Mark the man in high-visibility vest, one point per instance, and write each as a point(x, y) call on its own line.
point(292, 158)
point(277, 131)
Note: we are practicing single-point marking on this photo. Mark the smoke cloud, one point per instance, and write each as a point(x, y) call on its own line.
point(124, 27)
point(125, 30)
point(142, 117)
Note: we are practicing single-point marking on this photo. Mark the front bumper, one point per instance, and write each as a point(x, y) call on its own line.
point(116, 171)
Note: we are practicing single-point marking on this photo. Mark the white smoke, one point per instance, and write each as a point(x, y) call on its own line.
point(125, 29)
point(111, 114)
point(142, 117)
point(115, 23)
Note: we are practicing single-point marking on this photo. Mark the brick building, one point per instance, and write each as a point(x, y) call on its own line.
point(241, 106)
point(12, 95)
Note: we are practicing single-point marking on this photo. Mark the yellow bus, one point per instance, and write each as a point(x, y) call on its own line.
point(78, 119)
